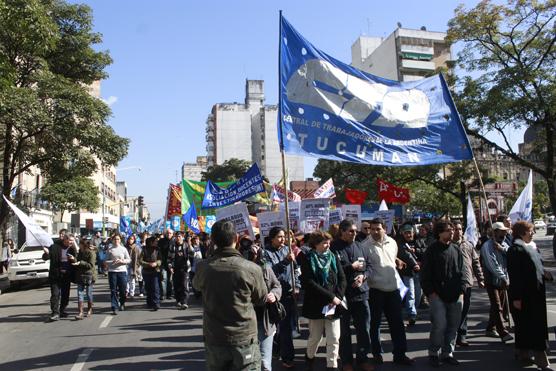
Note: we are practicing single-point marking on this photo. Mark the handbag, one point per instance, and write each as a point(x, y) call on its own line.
point(276, 312)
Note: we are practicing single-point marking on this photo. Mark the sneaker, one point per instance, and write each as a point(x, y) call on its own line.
point(53, 318)
point(404, 360)
point(184, 306)
point(288, 364)
point(114, 312)
point(155, 309)
point(507, 338)
point(141, 295)
point(295, 334)
point(492, 333)
point(434, 361)
point(179, 306)
point(462, 342)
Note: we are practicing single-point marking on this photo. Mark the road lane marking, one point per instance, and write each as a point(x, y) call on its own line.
point(81, 359)
point(106, 321)
point(552, 311)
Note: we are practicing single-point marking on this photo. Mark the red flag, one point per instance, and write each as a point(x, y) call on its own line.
point(355, 196)
point(174, 201)
point(390, 193)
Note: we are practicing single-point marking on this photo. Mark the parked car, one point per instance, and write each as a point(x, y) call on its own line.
point(550, 228)
point(539, 224)
point(27, 264)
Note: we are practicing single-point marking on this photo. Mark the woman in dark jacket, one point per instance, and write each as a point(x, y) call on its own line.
point(85, 276)
point(324, 282)
point(527, 296)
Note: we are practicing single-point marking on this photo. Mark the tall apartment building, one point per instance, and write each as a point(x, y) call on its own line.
point(248, 132)
point(194, 171)
point(405, 55)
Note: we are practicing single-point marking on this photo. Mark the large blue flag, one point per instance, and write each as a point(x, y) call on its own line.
point(331, 110)
point(190, 218)
point(125, 226)
point(248, 185)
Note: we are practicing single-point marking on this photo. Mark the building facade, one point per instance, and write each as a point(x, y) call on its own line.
point(194, 171)
point(249, 132)
point(405, 55)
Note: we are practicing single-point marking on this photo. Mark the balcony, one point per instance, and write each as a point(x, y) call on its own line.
point(410, 64)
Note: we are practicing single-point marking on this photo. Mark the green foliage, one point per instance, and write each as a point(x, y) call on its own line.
point(509, 56)
point(48, 118)
point(231, 169)
point(72, 194)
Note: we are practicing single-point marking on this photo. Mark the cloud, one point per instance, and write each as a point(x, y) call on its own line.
point(110, 100)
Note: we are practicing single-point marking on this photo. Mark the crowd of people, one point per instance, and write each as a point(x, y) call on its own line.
point(346, 280)
point(343, 281)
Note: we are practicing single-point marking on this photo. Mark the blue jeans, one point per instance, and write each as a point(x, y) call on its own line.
point(389, 303)
point(165, 284)
point(445, 318)
point(413, 296)
point(285, 330)
point(360, 312)
point(118, 286)
point(152, 288)
point(265, 345)
point(84, 293)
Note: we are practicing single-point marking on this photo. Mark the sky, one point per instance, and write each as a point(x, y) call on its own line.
point(173, 60)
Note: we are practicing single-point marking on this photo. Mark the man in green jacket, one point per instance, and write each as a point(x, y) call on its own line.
point(230, 287)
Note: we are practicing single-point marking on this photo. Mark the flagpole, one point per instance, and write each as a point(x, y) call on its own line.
point(482, 189)
point(283, 155)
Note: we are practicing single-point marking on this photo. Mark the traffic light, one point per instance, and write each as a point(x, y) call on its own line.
point(140, 201)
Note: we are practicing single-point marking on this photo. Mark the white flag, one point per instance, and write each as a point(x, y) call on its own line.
point(471, 232)
point(326, 190)
point(523, 207)
point(383, 206)
point(34, 234)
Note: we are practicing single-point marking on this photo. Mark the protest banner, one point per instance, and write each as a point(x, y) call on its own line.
point(352, 212)
point(294, 213)
point(386, 215)
point(248, 185)
point(239, 216)
point(270, 219)
point(335, 216)
point(326, 190)
point(313, 214)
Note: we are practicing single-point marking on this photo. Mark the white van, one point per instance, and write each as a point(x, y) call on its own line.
point(27, 264)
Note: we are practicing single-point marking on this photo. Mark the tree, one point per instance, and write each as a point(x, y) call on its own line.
point(430, 185)
point(509, 55)
point(72, 194)
point(231, 169)
point(48, 118)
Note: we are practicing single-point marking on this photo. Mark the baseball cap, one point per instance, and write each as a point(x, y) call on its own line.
point(499, 226)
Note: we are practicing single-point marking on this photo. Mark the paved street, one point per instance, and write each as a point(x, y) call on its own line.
point(138, 339)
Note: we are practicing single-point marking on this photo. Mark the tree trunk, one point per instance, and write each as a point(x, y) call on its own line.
point(552, 193)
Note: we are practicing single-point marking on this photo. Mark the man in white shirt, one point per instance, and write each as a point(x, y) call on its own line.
point(384, 295)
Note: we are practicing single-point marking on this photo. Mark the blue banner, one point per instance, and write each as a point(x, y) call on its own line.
point(125, 226)
point(331, 110)
point(248, 185)
point(190, 218)
point(209, 222)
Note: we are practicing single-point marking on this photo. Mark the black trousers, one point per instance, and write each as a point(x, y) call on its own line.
point(389, 303)
point(59, 293)
point(181, 286)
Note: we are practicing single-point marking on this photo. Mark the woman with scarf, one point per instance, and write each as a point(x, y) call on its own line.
point(527, 297)
point(324, 282)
